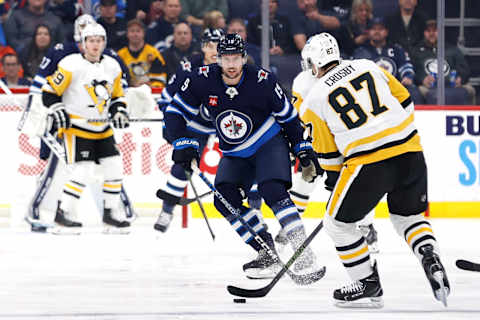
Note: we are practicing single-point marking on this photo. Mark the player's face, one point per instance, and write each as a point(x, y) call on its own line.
point(210, 52)
point(232, 65)
point(94, 47)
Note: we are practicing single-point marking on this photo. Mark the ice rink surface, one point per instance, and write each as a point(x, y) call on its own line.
point(183, 275)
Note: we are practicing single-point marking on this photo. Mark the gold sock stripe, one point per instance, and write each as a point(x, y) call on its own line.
point(417, 232)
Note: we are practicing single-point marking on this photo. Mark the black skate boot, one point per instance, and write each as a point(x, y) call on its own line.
point(370, 235)
point(163, 221)
point(435, 273)
point(266, 264)
point(62, 220)
point(113, 225)
point(364, 293)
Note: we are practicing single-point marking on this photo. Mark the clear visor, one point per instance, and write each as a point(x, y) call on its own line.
point(231, 61)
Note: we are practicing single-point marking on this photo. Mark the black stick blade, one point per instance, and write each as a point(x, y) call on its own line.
point(250, 293)
point(468, 265)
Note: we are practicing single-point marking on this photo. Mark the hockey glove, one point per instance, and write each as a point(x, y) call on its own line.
point(61, 120)
point(308, 160)
point(119, 116)
point(185, 151)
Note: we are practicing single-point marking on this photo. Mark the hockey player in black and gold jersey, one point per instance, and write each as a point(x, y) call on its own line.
point(145, 63)
point(363, 127)
point(88, 86)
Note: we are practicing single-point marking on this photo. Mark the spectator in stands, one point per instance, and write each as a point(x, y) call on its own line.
point(340, 8)
point(67, 11)
point(354, 32)
point(281, 39)
point(145, 63)
point(183, 48)
point(160, 33)
point(155, 12)
point(214, 20)
point(310, 21)
point(456, 69)
point(138, 9)
point(407, 25)
point(3, 51)
point(193, 11)
point(253, 52)
point(12, 66)
point(242, 9)
point(20, 27)
point(32, 55)
point(389, 56)
point(115, 26)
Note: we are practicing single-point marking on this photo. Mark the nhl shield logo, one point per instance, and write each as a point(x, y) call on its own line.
point(213, 101)
point(234, 127)
point(231, 92)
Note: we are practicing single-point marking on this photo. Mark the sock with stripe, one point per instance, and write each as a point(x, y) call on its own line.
point(416, 231)
point(72, 192)
point(300, 192)
point(176, 184)
point(111, 193)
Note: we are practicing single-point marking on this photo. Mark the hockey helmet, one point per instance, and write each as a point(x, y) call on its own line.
point(320, 50)
point(80, 23)
point(212, 35)
point(91, 30)
point(232, 43)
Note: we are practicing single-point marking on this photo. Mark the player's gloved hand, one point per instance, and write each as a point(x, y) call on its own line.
point(119, 116)
point(332, 177)
point(308, 160)
point(61, 119)
point(185, 153)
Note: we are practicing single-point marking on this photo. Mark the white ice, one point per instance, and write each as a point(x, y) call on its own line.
point(183, 274)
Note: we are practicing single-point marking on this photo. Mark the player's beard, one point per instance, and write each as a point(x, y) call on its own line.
point(230, 74)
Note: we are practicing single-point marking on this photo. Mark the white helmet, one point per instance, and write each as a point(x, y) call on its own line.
point(91, 30)
point(80, 23)
point(320, 50)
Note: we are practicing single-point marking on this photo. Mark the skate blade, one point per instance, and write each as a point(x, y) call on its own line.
point(107, 229)
point(65, 231)
point(364, 303)
point(442, 293)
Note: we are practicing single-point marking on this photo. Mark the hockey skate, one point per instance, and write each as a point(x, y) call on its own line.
point(112, 225)
point(435, 273)
point(264, 266)
point(364, 293)
point(281, 239)
point(163, 221)
point(65, 223)
point(370, 235)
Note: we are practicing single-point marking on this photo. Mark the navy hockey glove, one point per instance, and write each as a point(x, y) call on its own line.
point(308, 160)
point(61, 120)
point(185, 150)
point(119, 115)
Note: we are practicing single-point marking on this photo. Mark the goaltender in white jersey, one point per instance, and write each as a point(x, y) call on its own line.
point(88, 86)
point(363, 125)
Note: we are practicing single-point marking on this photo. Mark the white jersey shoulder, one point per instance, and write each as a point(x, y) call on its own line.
point(302, 85)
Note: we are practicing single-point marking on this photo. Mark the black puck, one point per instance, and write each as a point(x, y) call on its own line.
point(240, 300)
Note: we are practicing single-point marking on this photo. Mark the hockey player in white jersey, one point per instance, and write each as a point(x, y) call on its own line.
point(363, 125)
point(87, 86)
point(301, 189)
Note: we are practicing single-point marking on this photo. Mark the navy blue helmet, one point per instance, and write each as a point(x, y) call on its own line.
point(230, 44)
point(212, 35)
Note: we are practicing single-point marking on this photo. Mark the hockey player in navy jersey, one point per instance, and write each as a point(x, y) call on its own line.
point(199, 127)
point(257, 127)
point(54, 169)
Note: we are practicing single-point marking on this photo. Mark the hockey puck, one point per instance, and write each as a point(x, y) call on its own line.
point(241, 300)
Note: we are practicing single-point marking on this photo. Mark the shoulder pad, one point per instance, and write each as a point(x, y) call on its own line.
point(262, 75)
point(204, 71)
point(186, 65)
point(58, 46)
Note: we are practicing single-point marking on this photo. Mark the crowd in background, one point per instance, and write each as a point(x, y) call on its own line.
point(153, 36)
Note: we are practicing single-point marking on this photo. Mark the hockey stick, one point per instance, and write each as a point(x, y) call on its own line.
point(467, 265)
point(183, 201)
point(262, 292)
point(304, 279)
point(25, 111)
point(110, 120)
point(200, 204)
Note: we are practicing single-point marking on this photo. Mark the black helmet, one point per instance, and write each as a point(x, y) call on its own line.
point(212, 35)
point(230, 44)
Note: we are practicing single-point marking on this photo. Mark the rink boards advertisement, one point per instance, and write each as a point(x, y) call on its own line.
point(450, 137)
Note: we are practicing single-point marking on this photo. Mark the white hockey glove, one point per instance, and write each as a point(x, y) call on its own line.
point(60, 116)
point(118, 114)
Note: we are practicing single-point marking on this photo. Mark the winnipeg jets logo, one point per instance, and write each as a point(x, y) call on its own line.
point(186, 65)
point(212, 101)
point(203, 70)
point(262, 75)
point(231, 92)
point(234, 127)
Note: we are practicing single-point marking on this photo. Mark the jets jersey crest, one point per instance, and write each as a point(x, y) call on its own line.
point(87, 88)
point(360, 114)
